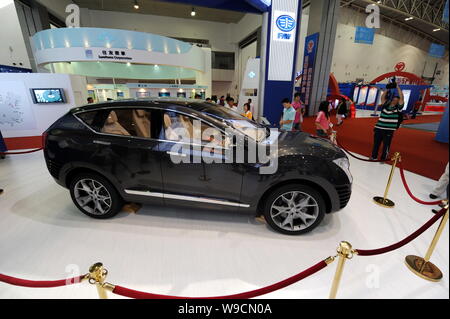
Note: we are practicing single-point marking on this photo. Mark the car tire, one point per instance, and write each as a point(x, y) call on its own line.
point(294, 215)
point(95, 196)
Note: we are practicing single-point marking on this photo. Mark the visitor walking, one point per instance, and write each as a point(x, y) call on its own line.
point(287, 121)
point(323, 124)
point(341, 112)
point(299, 112)
point(388, 122)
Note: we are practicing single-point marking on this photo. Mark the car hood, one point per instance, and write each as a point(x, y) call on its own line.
point(300, 143)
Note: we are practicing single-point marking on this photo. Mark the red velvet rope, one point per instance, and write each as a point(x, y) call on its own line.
point(130, 293)
point(23, 152)
point(408, 190)
point(357, 157)
point(417, 233)
point(39, 284)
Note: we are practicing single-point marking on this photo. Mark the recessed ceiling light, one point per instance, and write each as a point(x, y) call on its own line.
point(438, 29)
point(193, 12)
point(410, 18)
point(136, 5)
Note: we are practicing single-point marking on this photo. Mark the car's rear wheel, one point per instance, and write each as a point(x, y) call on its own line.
point(95, 196)
point(294, 209)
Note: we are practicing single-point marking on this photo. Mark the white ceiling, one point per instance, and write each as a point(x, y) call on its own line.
point(160, 8)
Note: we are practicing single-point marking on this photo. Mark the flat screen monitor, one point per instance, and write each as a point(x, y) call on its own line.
point(181, 94)
point(164, 94)
point(142, 94)
point(48, 96)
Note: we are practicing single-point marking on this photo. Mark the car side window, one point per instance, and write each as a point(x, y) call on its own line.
point(183, 128)
point(129, 122)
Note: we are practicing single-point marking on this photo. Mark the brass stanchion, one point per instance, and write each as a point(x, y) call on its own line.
point(345, 252)
point(97, 276)
point(422, 267)
point(384, 201)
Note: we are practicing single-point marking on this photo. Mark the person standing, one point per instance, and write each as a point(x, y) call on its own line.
point(341, 111)
point(299, 112)
point(249, 101)
point(287, 121)
point(323, 124)
point(441, 185)
point(247, 113)
point(222, 100)
point(230, 104)
point(388, 122)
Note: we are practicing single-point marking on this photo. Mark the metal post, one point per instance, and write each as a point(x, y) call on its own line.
point(97, 276)
point(422, 267)
point(344, 251)
point(384, 201)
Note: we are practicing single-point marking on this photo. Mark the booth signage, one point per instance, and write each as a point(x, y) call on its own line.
point(108, 54)
point(284, 26)
point(309, 59)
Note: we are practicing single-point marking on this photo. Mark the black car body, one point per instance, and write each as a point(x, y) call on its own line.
point(126, 147)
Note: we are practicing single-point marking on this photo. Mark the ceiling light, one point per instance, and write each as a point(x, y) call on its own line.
point(379, 1)
point(136, 5)
point(193, 12)
point(438, 29)
point(410, 18)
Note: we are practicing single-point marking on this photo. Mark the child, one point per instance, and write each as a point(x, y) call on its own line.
point(247, 113)
point(322, 122)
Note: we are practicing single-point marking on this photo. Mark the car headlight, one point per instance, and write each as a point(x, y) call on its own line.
point(344, 164)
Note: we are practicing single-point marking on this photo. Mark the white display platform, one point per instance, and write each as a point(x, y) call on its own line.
point(181, 252)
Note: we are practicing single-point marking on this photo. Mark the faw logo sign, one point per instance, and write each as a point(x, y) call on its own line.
point(284, 26)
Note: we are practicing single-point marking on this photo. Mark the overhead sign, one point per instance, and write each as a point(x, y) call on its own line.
point(436, 50)
point(109, 54)
point(364, 35)
point(284, 26)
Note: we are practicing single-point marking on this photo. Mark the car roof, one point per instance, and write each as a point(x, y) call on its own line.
point(194, 104)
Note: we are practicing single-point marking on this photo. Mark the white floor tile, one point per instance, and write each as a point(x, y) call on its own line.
point(184, 252)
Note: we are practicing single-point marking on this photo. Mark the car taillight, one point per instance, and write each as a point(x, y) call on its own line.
point(44, 139)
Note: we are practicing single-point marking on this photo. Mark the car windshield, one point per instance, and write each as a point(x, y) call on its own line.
point(238, 122)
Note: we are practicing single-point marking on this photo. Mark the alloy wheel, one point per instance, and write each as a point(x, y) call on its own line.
point(92, 196)
point(294, 211)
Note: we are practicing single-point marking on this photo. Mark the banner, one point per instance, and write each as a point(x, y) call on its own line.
point(309, 59)
point(364, 35)
point(436, 50)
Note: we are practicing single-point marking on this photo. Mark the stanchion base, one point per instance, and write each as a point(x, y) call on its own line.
point(430, 271)
point(383, 202)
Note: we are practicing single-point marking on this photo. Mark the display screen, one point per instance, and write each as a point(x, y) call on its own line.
point(164, 94)
point(181, 94)
point(142, 94)
point(48, 95)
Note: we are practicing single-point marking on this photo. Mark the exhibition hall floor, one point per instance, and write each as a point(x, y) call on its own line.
point(190, 253)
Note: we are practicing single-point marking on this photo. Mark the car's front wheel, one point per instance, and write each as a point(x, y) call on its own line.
point(95, 196)
point(294, 209)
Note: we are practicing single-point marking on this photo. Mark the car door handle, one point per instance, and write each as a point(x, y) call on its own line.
point(101, 142)
point(176, 154)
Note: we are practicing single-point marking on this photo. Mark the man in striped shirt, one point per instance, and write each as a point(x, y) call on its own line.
point(388, 122)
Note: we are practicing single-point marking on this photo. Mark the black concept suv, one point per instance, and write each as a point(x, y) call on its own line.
point(198, 155)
